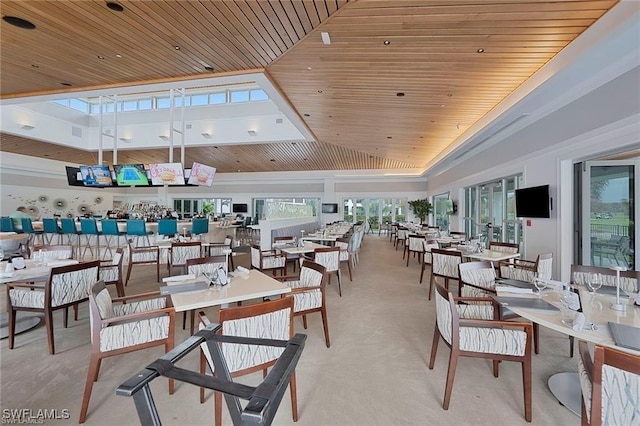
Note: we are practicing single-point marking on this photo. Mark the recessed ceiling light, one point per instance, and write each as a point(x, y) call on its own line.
point(442, 106)
point(273, 160)
point(325, 37)
point(449, 95)
point(118, 55)
point(309, 68)
point(319, 91)
point(19, 22)
point(386, 42)
point(400, 94)
point(307, 115)
point(389, 137)
point(176, 47)
point(125, 140)
point(480, 50)
point(164, 137)
point(35, 66)
point(66, 84)
point(208, 68)
point(27, 127)
point(100, 57)
point(115, 6)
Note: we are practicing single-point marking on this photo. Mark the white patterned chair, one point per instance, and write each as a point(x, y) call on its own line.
point(111, 271)
point(123, 325)
point(511, 248)
point(179, 253)
point(444, 264)
point(346, 252)
point(401, 237)
point(266, 320)
point(220, 249)
point(49, 253)
point(292, 258)
point(308, 291)
point(525, 270)
point(268, 260)
point(610, 386)
point(198, 267)
point(66, 286)
point(427, 259)
point(143, 255)
point(472, 330)
point(415, 245)
point(329, 257)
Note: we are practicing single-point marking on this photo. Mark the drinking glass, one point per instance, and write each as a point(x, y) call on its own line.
point(539, 283)
point(594, 283)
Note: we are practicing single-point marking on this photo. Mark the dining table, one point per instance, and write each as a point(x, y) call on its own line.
point(597, 312)
point(306, 247)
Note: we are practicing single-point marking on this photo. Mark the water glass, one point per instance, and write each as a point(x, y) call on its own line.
point(539, 283)
point(594, 283)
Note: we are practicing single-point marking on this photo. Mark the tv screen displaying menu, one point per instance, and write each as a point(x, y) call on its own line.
point(166, 173)
point(131, 175)
point(96, 175)
point(201, 175)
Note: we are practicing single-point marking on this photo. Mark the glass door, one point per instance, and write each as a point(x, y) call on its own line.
point(609, 213)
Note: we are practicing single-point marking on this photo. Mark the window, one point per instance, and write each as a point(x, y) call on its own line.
point(162, 103)
point(282, 208)
point(240, 96)
point(374, 211)
point(440, 210)
point(218, 98)
point(187, 208)
point(79, 105)
point(144, 104)
point(258, 95)
point(199, 100)
point(129, 105)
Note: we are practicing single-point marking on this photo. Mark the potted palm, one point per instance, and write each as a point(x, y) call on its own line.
point(421, 208)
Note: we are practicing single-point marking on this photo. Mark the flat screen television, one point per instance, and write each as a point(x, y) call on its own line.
point(450, 207)
point(131, 175)
point(98, 175)
point(240, 208)
point(329, 208)
point(74, 177)
point(166, 173)
point(201, 175)
point(533, 202)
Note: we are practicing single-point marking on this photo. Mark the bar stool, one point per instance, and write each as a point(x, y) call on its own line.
point(50, 226)
point(138, 228)
point(110, 230)
point(69, 230)
point(167, 227)
point(199, 227)
point(27, 228)
point(89, 229)
point(6, 224)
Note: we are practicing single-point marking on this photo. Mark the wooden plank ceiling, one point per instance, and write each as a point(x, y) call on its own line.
point(348, 92)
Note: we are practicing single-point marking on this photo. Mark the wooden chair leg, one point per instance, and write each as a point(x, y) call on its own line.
point(158, 270)
point(75, 312)
point(48, 320)
point(184, 320)
point(431, 279)
point(570, 346)
point(526, 383)
point(451, 373)
point(422, 271)
point(434, 347)
point(92, 375)
point(294, 397)
point(536, 339)
point(120, 288)
point(304, 321)
point(350, 274)
point(325, 325)
point(129, 266)
point(172, 384)
point(217, 408)
point(65, 317)
point(339, 283)
point(496, 368)
point(203, 366)
point(12, 327)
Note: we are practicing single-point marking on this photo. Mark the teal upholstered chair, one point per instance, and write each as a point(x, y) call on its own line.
point(199, 227)
point(110, 230)
point(167, 227)
point(27, 228)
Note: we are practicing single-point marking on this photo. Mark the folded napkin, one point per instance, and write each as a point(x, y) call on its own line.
point(510, 289)
point(7, 274)
point(554, 283)
point(62, 262)
point(242, 270)
point(578, 321)
point(178, 278)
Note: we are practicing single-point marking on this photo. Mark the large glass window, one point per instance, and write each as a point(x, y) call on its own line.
point(440, 210)
point(187, 208)
point(284, 208)
point(374, 211)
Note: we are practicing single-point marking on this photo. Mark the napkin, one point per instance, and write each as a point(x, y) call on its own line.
point(578, 321)
point(242, 270)
point(510, 289)
point(554, 283)
point(179, 278)
point(7, 274)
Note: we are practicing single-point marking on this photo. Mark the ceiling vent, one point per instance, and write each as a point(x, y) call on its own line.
point(76, 131)
point(279, 120)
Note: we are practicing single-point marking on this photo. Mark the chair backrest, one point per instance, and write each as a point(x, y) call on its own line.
point(429, 245)
point(447, 318)
point(615, 396)
point(480, 273)
point(458, 234)
point(312, 274)
point(88, 226)
point(267, 320)
point(628, 279)
point(47, 253)
point(6, 224)
point(402, 233)
point(50, 225)
point(286, 238)
point(27, 225)
point(68, 225)
point(544, 266)
point(504, 247)
point(109, 227)
point(71, 283)
point(416, 242)
point(167, 227)
point(199, 226)
point(181, 252)
point(329, 257)
point(256, 256)
point(112, 273)
point(209, 264)
point(445, 263)
point(136, 227)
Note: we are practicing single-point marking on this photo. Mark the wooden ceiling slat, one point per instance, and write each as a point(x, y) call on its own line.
point(312, 12)
point(255, 13)
point(303, 16)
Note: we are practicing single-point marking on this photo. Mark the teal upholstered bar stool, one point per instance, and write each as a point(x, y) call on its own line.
point(199, 227)
point(69, 230)
point(27, 228)
point(167, 227)
point(51, 229)
point(6, 224)
point(138, 228)
point(89, 229)
point(110, 230)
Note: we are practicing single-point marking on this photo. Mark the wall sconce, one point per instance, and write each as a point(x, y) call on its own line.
point(27, 127)
point(125, 140)
point(164, 137)
point(207, 135)
point(252, 132)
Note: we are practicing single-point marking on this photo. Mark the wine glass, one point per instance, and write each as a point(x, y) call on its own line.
point(594, 283)
point(539, 283)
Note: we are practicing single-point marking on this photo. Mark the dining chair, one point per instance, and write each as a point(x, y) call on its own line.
point(27, 228)
point(501, 247)
point(224, 248)
point(51, 230)
point(268, 260)
point(444, 264)
point(124, 325)
point(472, 330)
point(346, 255)
point(308, 292)
point(199, 267)
point(48, 253)
point(526, 270)
point(179, 253)
point(111, 271)
point(415, 245)
point(401, 237)
point(266, 320)
point(292, 258)
point(66, 286)
point(167, 228)
point(145, 255)
point(393, 233)
point(610, 386)
point(427, 259)
point(329, 257)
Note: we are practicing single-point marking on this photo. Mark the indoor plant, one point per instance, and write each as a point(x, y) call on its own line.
point(421, 208)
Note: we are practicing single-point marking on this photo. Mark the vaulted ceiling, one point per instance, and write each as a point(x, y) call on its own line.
point(400, 81)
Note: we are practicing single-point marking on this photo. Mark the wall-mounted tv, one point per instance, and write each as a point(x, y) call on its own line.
point(97, 175)
point(166, 173)
point(329, 208)
point(450, 207)
point(533, 202)
point(74, 177)
point(240, 208)
point(201, 174)
point(131, 175)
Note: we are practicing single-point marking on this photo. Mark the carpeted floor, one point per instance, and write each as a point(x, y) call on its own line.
point(375, 372)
